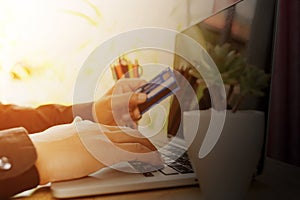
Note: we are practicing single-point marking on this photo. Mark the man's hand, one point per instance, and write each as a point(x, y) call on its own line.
point(64, 154)
point(118, 144)
point(119, 106)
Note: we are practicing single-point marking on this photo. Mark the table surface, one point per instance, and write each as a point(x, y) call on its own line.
point(278, 181)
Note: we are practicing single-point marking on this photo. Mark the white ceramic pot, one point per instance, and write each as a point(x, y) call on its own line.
point(226, 171)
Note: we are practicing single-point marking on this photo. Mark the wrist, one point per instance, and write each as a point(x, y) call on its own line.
point(102, 112)
point(61, 157)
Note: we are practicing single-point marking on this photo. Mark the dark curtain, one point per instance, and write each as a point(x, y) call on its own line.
point(284, 121)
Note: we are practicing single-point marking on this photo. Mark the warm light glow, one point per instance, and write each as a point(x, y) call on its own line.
point(43, 43)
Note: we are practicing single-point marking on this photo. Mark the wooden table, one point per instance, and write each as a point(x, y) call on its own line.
point(279, 181)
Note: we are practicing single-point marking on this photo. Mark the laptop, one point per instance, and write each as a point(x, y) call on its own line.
point(177, 170)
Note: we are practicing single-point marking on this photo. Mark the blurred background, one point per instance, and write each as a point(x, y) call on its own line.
point(44, 43)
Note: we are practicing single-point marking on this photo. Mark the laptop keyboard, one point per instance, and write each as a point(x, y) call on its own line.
point(176, 162)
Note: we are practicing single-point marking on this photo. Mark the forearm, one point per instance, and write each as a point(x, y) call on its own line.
point(40, 118)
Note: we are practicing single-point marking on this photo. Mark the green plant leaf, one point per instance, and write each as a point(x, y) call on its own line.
point(235, 71)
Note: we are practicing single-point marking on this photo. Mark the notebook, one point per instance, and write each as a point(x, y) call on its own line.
point(177, 169)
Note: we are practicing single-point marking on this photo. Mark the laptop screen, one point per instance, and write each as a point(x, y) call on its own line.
point(232, 29)
point(244, 29)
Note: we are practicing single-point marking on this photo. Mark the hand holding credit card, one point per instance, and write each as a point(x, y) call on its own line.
point(157, 89)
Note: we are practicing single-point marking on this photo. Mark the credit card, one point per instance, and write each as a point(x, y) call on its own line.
point(157, 89)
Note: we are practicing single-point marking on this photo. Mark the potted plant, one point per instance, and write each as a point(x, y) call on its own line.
point(237, 73)
point(241, 79)
point(226, 171)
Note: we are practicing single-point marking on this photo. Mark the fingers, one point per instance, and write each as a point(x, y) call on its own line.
point(135, 100)
point(132, 136)
point(130, 100)
point(125, 108)
point(136, 114)
point(140, 153)
point(111, 145)
point(119, 106)
point(133, 147)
